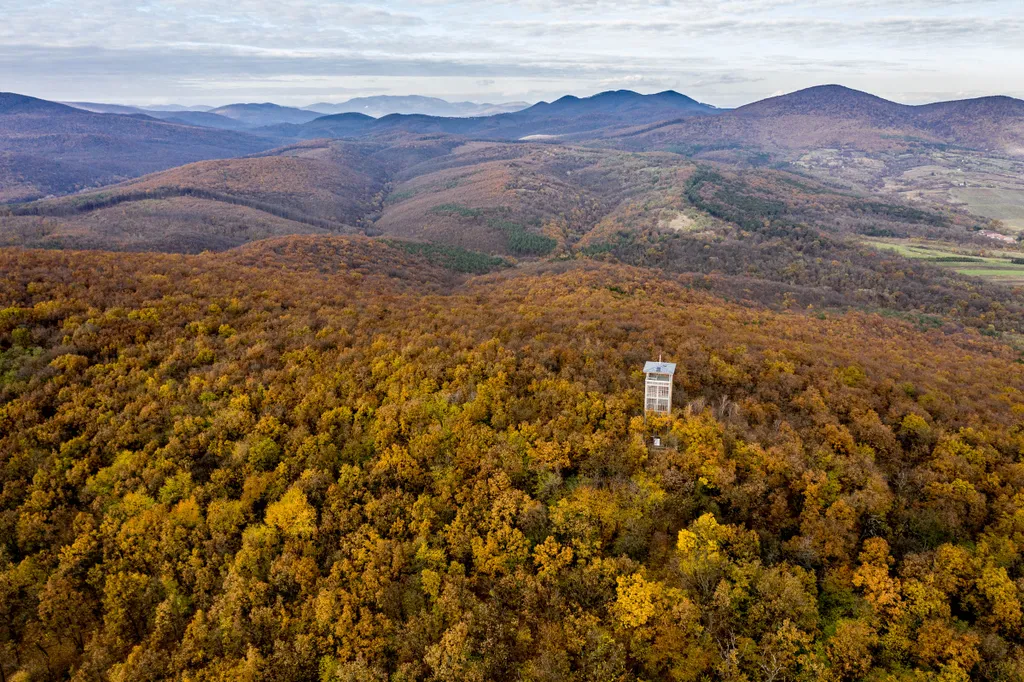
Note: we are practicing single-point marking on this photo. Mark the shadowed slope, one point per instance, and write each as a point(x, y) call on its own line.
point(308, 188)
point(51, 148)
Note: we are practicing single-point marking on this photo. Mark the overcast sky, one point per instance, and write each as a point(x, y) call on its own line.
point(302, 51)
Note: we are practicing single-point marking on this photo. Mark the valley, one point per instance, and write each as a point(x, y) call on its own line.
point(984, 184)
point(822, 242)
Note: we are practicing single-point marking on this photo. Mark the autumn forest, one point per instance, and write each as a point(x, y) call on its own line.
point(249, 466)
point(290, 397)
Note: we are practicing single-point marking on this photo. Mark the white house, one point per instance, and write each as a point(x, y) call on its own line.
point(658, 385)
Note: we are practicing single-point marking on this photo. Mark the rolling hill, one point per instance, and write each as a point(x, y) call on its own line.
point(790, 235)
point(103, 108)
point(834, 101)
point(48, 148)
point(491, 197)
point(265, 114)
point(175, 107)
point(213, 205)
point(169, 221)
point(204, 119)
point(768, 236)
point(340, 126)
point(613, 102)
point(314, 187)
point(835, 116)
point(988, 123)
point(330, 181)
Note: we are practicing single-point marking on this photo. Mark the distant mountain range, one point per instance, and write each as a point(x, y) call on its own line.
point(814, 117)
point(100, 108)
point(383, 105)
point(836, 116)
point(50, 148)
point(176, 107)
point(566, 116)
point(250, 115)
point(196, 116)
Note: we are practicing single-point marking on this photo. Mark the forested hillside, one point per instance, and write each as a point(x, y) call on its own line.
point(48, 148)
point(766, 236)
point(308, 188)
point(333, 459)
point(833, 116)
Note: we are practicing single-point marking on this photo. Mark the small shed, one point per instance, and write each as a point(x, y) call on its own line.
point(658, 386)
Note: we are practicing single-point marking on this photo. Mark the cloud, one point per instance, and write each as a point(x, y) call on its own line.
point(544, 28)
point(731, 49)
point(202, 61)
point(634, 81)
point(904, 29)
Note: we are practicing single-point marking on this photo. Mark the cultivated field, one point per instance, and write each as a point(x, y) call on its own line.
point(997, 265)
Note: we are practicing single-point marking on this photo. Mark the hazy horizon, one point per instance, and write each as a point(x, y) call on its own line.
point(214, 104)
point(723, 53)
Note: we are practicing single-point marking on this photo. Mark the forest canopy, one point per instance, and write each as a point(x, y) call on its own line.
point(335, 459)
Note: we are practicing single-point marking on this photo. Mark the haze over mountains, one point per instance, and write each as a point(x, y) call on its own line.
point(382, 105)
point(250, 115)
point(198, 116)
point(819, 116)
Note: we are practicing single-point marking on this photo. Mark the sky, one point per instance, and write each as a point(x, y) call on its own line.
point(296, 52)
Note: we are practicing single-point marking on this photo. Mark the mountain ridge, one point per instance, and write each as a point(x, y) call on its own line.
point(568, 115)
point(264, 113)
point(842, 114)
point(835, 115)
point(50, 148)
point(819, 115)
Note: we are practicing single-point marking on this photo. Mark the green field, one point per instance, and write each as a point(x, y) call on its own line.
point(1008, 275)
point(1000, 203)
point(992, 264)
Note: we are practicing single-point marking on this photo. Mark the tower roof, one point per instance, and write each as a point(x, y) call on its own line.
point(656, 367)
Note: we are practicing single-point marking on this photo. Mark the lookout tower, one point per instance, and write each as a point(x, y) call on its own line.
point(658, 386)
